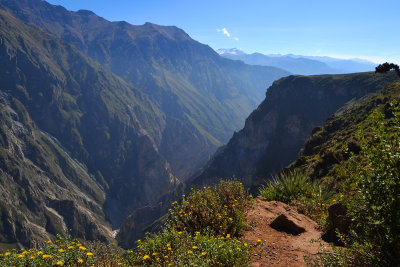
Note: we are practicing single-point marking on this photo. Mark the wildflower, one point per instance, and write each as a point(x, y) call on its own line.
point(189, 251)
point(7, 253)
point(61, 250)
point(203, 253)
point(49, 242)
point(89, 254)
point(154, 253)
point(179, 233)
point(39, 252)
point(32, 257)
point(258, 240)
point(146, 257)
point(46, 256)
point(70, 247)
point(21, 256)
point(82, 248)
point(195, 247)
point(228, 236)
point(80, 261)
point(59, 263)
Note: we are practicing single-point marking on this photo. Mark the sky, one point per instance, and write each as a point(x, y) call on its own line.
point(366, 29)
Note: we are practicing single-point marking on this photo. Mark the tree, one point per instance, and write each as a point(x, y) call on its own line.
point(385, 67)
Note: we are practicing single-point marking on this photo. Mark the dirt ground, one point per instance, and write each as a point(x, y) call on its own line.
point(279, 248)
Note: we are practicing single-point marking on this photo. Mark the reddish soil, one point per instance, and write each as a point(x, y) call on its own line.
point(280, 248)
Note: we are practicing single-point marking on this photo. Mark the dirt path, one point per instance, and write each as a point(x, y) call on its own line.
point(279, 248)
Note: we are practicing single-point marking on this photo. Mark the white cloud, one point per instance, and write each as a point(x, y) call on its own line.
point(236, 39)
point(224, 31)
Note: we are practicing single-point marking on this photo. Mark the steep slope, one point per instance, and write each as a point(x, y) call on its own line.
point(43, 191)
point(276, 131)
point(324, 152)
point(202, 96)
point(298, 64)
point(104, 123)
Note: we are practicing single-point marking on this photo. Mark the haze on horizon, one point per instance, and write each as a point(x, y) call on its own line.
point(342, 29)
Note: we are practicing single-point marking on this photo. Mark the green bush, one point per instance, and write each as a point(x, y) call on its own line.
point(372, 196)
point(217, 210)
point(172, 248)
point(202, 230)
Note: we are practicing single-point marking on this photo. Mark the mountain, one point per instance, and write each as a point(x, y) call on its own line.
point(77, 146)
point(324, 152)
point(202, 98)
point(297, 64)
point(276, 131)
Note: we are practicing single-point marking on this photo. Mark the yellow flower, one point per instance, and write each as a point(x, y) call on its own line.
point(195, 247)
point(61, 250)
point(259, 241)
point(49, 242)
point(59, 263)
point(21, 256)
point(82, 248)
point(146, 257)
point(89, 254)
point(169, 248)
point(179, 233)
point(32, 257)
point(168, 245)
point(7, 253)
point(154, 253)
point(203, 253)
point(228, 236)
point(40, 252)
point(80, 261)
point(70, 247)
point(46, 256)
point(189, 251)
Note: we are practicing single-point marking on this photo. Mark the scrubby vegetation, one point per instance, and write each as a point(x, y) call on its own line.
point(202, 230)
point(367, 184)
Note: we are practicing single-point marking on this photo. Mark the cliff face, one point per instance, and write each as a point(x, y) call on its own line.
point(202, 97)
point(43, 191)
point(276, 131)
point(80, 144)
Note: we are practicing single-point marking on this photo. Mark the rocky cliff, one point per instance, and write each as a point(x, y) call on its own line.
point(276, 131)
point(81, 142)
point(202, 97)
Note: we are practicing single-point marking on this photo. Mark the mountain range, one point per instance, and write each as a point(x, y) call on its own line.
point(298, 64)
point(140, 107)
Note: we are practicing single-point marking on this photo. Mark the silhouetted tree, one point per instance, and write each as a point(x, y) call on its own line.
point(385, 67)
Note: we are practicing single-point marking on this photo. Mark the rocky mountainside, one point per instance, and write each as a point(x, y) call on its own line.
point(276, 131)
point(298, 64)
point(202, 97)
point(325, 150)
point(59, 105)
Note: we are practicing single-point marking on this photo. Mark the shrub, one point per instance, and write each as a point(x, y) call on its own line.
point(372, 196)
point(172, 248)
point(217, 210)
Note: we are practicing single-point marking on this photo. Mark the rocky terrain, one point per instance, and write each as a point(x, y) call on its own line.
point(276, 131)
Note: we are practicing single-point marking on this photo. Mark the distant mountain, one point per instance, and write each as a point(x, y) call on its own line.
point(76, 141)
point(297, 64)
point(202, 97)
point(276, 131)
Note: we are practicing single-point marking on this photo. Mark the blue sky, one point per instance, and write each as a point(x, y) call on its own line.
point(341, 28)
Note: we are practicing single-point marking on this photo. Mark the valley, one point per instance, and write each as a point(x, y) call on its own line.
point(142, 142)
